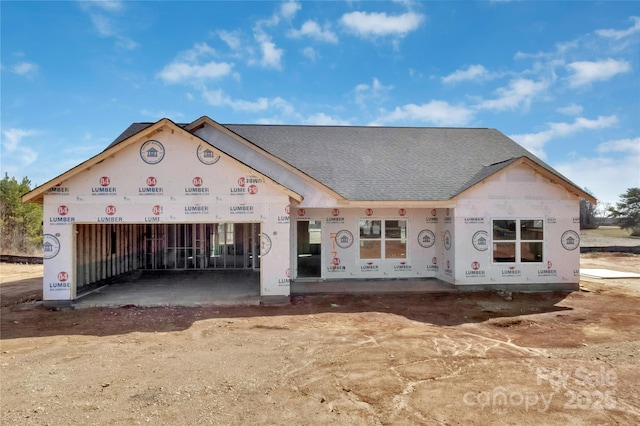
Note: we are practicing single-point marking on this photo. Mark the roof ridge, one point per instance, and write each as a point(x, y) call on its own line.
point(351, 126)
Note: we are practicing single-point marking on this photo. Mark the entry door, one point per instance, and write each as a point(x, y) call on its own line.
point(309, 248)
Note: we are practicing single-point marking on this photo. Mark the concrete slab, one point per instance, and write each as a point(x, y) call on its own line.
point(178, 288)
point(428, 285)
point(607, 273)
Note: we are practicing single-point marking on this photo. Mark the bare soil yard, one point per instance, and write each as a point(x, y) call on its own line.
point(473, 358)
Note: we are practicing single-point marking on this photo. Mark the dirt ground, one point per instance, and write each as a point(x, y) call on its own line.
point(449, 359)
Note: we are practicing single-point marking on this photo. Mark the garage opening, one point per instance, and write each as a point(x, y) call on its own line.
point(107, 251)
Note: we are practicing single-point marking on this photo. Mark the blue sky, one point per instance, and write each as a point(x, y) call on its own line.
point(560, 78)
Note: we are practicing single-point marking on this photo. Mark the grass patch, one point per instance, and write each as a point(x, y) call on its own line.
point(608, 231)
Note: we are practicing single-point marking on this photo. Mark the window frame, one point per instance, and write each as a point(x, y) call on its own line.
point(383, 239)
point(518, 241)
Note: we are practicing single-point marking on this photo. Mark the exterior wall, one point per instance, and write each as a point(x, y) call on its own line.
point(59, 262)
point(275, 264)
point(517, 193)
point(172, 178)
point(426, 253)
point(447, 246)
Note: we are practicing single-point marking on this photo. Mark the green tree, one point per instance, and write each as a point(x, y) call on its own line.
point(627, 211)
point(20, 224)
point(588, 211)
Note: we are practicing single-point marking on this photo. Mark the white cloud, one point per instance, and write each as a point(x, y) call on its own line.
point(14, 154)
point(440, 113)
point(313, 30)
point(198, 51)
point(282, 105)
point(186, 68)
point(413, 73)
point(124, 43)
point(321, 119)
point(376, 24)
point(102, 24)
point(232, 39)
point(520, 92)
point(311, 53)
point(104, 16)
point(586, 72)
point(619, 34)
point(474, 73)
point(24, 68)
point(572, 109)
point(289, 9)
point(109, 5)
point(261, 50)
point(13, 137)
point(534, 142)
point(376, 91)
point(215, 97)
point(181, 72)
point(581, 123)
point(241, 47)
point(219, 98)
point(567, 57)
point(621, 145)
point(271, 55)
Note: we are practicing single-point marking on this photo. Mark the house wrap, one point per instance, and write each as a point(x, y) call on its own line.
point(467, 206)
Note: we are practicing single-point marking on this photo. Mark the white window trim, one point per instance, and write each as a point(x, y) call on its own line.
point(382, 239)
point(518, 241)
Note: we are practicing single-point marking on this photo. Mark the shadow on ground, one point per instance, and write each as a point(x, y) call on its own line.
point(447, 309)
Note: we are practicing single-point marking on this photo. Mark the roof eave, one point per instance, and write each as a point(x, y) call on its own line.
point(398, 203)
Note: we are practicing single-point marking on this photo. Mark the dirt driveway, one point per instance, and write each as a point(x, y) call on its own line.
point(472, 359)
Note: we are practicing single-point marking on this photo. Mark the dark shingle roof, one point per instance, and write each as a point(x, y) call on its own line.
point(389, 163)
point(384, 163)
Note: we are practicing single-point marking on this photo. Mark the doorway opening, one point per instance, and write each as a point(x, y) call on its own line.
point(309, 248)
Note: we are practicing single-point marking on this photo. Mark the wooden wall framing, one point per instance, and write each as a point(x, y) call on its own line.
point(105, 251)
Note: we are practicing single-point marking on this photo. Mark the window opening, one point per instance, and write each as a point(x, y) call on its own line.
point(383, 239)
point(520, 240)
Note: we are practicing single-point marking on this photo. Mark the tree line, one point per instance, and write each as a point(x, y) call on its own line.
point(625, 213)
point(21, 224)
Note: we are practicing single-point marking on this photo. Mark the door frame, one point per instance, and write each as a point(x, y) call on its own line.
point(320, 253)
